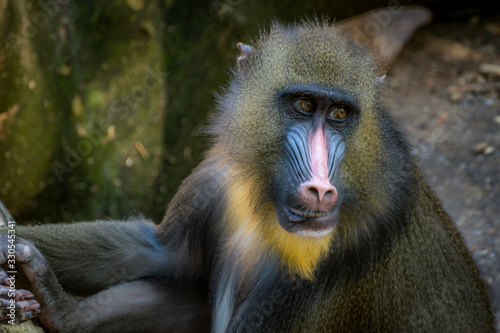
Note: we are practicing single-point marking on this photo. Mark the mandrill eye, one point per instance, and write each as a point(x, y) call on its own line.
point(339, 113)
point(304, 104)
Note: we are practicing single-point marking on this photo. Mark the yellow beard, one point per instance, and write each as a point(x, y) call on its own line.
point(253, 233)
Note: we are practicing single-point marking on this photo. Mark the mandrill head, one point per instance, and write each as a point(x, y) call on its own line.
point(301, 123)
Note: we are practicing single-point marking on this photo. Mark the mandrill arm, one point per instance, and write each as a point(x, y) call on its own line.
point(138, 306)
point(139, 277)
point(90, 256)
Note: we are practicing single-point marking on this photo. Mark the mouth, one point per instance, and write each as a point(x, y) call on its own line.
point(298, 216)
point(307, 223)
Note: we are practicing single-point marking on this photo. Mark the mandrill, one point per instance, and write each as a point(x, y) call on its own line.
point(308, 214)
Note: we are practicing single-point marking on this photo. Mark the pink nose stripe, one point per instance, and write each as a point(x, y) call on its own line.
point(318, 154)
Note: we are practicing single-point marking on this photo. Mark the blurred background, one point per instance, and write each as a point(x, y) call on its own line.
point(101, 102)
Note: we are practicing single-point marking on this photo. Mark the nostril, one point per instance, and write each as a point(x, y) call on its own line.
point(313, 191)
point(318, 194)
point(321, 192)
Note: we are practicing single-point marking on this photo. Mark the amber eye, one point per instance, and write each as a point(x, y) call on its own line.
point(338, 113)
point(304, 104)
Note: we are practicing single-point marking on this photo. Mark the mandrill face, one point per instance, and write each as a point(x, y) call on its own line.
point(309, 203)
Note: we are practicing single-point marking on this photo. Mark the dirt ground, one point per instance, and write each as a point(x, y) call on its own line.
point(444, 92)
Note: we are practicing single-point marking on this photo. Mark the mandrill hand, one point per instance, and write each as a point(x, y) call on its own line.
point(16, 305)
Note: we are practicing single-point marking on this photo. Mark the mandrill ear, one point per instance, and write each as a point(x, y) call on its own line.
point(243, 58)
point(381, 79)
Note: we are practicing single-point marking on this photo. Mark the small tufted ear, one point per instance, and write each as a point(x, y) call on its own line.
point(245, 51)
point(380, 79)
